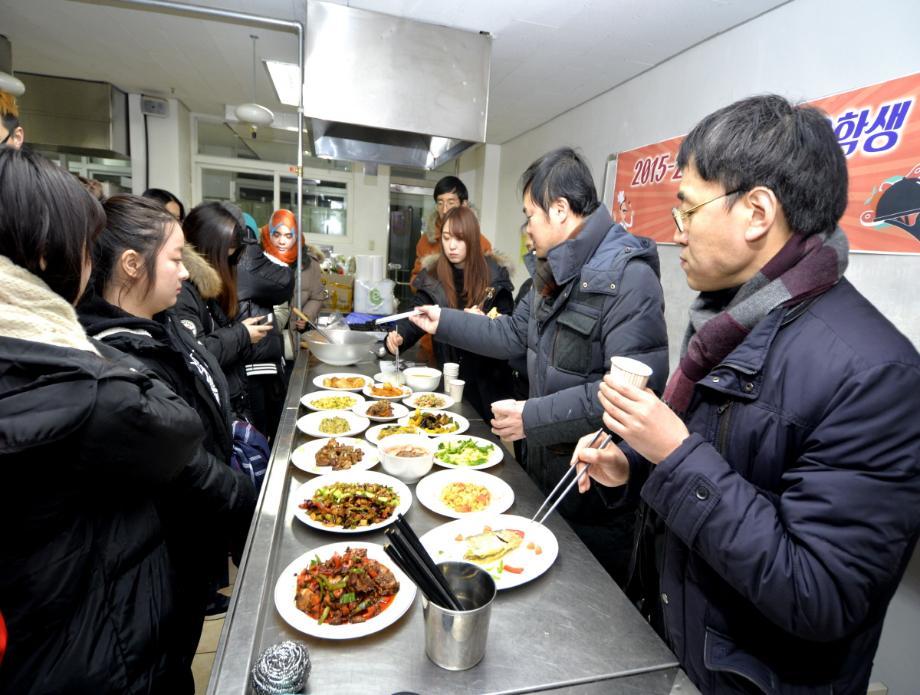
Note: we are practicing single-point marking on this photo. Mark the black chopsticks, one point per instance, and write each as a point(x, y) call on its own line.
point(405, 549)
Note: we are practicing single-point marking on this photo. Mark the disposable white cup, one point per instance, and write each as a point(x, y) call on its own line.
point(387, 367)
point(499, 408)
point(455, 389)
point(629, 371)
point(451, 370)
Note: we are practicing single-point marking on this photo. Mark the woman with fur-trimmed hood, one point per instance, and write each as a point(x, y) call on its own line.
point(462, 276)
point(208, 305)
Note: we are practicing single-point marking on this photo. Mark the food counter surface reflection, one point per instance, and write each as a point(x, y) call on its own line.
point(571, 629)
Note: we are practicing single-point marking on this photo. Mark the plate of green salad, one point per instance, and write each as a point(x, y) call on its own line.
point(467, 452)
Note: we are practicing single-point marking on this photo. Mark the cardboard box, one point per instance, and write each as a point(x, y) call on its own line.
point(341, 290)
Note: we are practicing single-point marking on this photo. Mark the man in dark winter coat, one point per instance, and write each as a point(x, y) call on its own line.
point(783, 461)
point(595, 294)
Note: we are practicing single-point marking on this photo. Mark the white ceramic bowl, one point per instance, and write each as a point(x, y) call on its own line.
point(422, 378)
point(392, 377)
point(406, 468)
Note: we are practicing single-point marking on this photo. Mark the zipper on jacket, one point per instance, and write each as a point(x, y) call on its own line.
point(724, 411)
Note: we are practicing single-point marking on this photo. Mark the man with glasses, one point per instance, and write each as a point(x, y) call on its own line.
point(449, 193)
point(783, 462)
point(11, 133)
point(596, 294)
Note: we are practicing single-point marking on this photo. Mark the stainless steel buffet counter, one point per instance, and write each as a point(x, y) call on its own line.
point(570, 630)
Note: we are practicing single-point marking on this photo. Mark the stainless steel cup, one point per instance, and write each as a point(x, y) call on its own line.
point(456, 640)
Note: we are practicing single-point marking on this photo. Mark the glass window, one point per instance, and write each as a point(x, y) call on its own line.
point(325, 205)
point(254, 193)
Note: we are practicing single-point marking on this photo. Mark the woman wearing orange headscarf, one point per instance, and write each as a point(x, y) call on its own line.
point(279, 236)
point(279, 239)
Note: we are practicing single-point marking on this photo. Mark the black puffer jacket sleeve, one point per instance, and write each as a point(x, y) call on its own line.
point(218, 491)
point(262, 280)
point(229, 344)
point(139, 430)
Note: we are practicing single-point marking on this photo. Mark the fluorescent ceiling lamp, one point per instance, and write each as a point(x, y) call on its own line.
point(286, 81)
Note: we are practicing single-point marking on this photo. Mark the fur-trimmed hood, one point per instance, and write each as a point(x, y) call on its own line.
point(428, 262)
point(201, 273)
point(314, 252)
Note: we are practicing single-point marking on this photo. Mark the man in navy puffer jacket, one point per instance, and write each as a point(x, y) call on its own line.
point(785, 472)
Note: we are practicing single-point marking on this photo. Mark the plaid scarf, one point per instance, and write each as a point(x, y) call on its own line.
point(805, 267)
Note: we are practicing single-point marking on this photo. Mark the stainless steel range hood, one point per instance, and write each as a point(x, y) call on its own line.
point(75, 116)
point(390, 90)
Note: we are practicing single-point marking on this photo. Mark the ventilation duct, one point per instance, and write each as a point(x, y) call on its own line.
point(389, 90)
point(74, 116)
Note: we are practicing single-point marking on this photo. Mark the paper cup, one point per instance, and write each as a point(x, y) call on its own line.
point(456, 640)
point(455, 389)
point(629, 371)
point(451, 371)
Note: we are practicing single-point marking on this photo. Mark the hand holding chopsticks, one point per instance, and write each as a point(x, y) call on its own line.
point(569, 474)
point(405, 549)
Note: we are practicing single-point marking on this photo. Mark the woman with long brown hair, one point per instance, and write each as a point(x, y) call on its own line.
point(208, 305)
point(461, 276)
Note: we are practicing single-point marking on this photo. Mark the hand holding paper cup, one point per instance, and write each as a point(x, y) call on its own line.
point(629, 371)
point(508, 419)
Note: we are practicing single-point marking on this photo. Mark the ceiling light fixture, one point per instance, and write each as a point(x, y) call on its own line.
point(251, 112)
point(11, 85)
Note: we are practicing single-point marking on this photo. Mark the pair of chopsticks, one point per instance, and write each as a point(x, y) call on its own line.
point(397, 317)
point(574, 482)
point(405, 549)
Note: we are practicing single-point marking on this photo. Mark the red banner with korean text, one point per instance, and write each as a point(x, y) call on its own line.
point(878, 128)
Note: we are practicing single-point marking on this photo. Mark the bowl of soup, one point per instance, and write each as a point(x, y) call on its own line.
point(407, 457)
point(422, 378)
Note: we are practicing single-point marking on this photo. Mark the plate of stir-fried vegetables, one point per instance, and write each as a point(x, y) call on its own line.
point(343, 591)
point(351, 501)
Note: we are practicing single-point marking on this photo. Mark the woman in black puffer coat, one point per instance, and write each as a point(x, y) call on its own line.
point(208, 306)
point(462, 276)
point(137, 275)
point(88, 437)
point(264, 280)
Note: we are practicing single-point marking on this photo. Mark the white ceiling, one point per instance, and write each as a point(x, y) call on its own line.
point(548, 56)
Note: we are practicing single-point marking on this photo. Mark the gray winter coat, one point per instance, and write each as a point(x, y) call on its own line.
point(611, 303)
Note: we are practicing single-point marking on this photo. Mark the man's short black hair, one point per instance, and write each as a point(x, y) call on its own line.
point(451, 184)
point(48, 221)
point(561, 173)
point(767, 141)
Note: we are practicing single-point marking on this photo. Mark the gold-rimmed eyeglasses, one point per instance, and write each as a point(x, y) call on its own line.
point(680, 216)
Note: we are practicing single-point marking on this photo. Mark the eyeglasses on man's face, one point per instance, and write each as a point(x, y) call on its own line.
point(681, 216)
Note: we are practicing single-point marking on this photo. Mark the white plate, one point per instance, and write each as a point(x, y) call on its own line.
point(398, 411)
point(319, 380)
point(428, 491)
point(308, 398)
point(462, 423)
point(304, 456)
point(309, 423)
point(406, 391)
point(372, 432)
point(442, 544)
point(494, 458)
point(305, 492)
point(412, 401)
point(286, 588)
